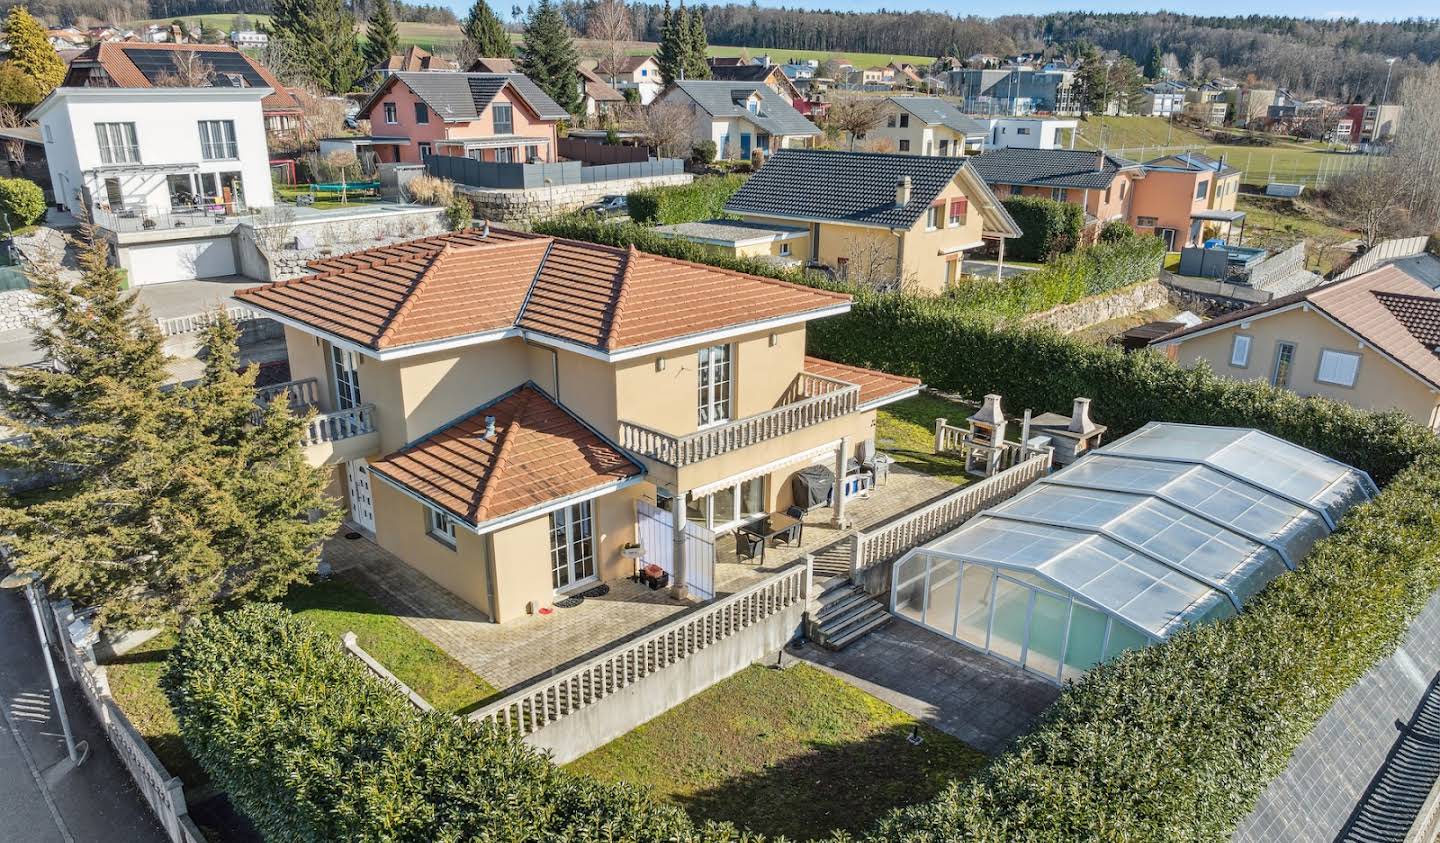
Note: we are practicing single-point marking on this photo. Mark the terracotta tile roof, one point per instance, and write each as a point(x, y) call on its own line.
point(1385, 307)
point(464, 283)
point(415, 59)
point(115, 59)
point(874, 384)
point(539, 453)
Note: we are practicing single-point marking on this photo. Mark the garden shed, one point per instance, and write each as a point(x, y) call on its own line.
point(1171, 525)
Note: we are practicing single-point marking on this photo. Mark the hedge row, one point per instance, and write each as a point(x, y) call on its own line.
point(702, 199)
point(1177, 741)
point(1049, 227)
point(311, 747)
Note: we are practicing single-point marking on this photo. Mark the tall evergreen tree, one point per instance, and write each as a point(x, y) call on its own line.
point(674, 45)
point(159, 505)
point(320, 35)
point(486, 33)
point(31, 52)
point(550, 59)
point(382, 39)
point(1153, 62)
point(696, 46)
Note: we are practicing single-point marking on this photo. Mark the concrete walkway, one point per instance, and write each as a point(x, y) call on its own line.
point(42, 797)
point(977, 698)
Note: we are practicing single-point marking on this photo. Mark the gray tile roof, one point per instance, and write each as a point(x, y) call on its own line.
point(777, 116)
point(857, 187)
point(1193, 161)
point(934, 110)
point(1049, 167)
point(729, 231)
point(461, 97)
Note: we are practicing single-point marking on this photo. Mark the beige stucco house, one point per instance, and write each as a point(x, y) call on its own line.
point(878, 218)
point(929, 126)
point(1372, 341)
point(500, 406)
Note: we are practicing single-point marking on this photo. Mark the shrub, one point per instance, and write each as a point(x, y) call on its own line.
point(704, 152)
point(702, 199)
point(311, 747)
point(430, 190)
point(22, 201)
point(1116, 231)
point(459, 212)
point(1049, 227)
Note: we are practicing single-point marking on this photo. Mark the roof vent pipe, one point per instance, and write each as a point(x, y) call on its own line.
point(489, 427)
point(902, 191)
point(1080, 417)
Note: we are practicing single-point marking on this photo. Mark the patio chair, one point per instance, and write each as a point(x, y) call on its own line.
point(748, 546)
point(794, 535)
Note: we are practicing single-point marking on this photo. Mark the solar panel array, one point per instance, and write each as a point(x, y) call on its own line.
point(231, 68)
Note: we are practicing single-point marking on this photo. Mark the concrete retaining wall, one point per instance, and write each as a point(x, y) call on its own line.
point(527, 206)
point(1068, 318)
point(279, 249)
point(601, 722)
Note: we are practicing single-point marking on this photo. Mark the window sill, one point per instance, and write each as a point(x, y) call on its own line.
point(444, 541)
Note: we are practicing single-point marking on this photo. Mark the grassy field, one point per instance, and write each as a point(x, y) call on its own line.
point(906, 431)
point(337, 607)
point(861, 60)
point(795, 752)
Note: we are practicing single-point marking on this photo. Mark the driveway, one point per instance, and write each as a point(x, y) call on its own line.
point(977, 698)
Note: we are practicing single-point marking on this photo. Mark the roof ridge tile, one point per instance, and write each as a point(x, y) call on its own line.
point(502, 453)
point(407, 304)
point(622, 292)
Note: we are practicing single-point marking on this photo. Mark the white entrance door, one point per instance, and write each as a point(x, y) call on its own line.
point(362, 506)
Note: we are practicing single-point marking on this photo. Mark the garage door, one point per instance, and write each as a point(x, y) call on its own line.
point(183, 261)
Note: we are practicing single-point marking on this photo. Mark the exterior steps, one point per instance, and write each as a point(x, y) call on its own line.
point(846, 614)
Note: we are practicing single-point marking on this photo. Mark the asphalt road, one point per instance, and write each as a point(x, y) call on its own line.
point(43, 798)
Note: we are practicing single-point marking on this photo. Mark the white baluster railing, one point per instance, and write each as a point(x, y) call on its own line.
point(343, 424)
point(303, 393)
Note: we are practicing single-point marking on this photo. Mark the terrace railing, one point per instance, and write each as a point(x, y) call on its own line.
point(302, 393)
point(340, 425)
point(808, 401)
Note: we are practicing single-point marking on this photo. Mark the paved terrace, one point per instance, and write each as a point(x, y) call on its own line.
point(531, 648)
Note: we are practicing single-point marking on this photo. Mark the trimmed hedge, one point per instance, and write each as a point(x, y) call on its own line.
point(1177, 741)
point(702, 199)
point(310, 747)
point(1049, 227)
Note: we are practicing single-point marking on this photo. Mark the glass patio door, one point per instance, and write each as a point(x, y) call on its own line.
point(572, 545)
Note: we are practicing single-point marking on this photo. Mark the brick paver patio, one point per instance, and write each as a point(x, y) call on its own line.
point(521, 651)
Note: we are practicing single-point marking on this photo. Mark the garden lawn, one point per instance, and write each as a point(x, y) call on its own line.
point(906, 431)
point(795, 752)
point(288, 192)
point(336, 607)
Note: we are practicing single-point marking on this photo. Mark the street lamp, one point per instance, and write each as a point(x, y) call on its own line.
point(28, 580)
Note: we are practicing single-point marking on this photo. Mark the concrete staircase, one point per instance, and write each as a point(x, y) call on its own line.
point(846, 614)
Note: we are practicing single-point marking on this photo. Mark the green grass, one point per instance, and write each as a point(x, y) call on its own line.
point(906, 431)
point(795, 752)
point(860, 60)
point(336, 607)
point(288, 192)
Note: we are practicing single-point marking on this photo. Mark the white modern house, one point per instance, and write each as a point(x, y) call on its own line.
point(1029, 133)
point(167, 165)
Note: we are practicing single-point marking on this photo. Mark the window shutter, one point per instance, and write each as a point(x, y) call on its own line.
point(958, 207)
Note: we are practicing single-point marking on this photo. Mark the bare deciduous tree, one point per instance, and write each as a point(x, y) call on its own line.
point(14, 147)
point(189, 71)
point(610, 28)
point(872, 262)
point(856, 114)
point(1373, 200)
point(1416, 152)
point(667, 125)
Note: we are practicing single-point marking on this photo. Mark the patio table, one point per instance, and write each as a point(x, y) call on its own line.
point(768, 527)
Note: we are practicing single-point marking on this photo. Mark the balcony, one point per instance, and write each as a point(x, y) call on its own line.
point(328, 438)
point(810, 400)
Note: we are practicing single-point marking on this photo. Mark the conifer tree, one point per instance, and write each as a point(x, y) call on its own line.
point(320, 36)
point(550, 59)
point(30, 51)
point(382, 40)
point(486, 33)
point(674, 45)
point(696, 46)
point(1153, 62)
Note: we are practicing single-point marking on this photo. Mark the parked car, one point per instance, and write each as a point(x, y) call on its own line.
point(609, 206)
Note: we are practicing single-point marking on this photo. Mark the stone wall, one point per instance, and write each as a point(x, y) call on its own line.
point(17, 307)
point(275, 250)
point(1068, 318)
point(527, 206)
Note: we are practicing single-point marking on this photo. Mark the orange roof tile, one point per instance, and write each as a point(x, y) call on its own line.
point(539, 453)
point(874, 384)
point(464, 283)
point(111, 55)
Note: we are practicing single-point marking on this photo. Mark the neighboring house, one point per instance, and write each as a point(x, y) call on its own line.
point(501, 117)
point(136, 65)
point(1370, 341)
point(524, 397)
point(413, 60)
point(641, 73)
point(742, 116)
point(783, 245)
point(1367, 123)
point(596, 96)
point(1103, 185)
point(30, 163)
point(249, 39)
point(1208, 112)
point(929, 126)
point(906, 74)
point(876, 217)
point(771, 75)
point(1014, 91)
point(66, 38)
point(1252, 105)
point(1163, 99)
point(1187, 199)
point(1029, 132)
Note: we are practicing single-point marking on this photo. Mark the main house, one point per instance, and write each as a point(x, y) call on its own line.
point(501, 117)
point(875, 217)
point(1371, 341)
point(741, 116)
point(1103, 185)
point(929, 126)
point(1187, 199)
point(499, 405)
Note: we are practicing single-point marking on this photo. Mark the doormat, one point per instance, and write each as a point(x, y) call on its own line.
point(598, 591)
point(569, 602)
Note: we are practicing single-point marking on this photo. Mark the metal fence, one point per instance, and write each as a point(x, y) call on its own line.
point(1263, 165)
point(594, 153)
point(491, 174)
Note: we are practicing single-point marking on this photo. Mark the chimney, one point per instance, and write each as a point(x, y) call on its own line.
point(1080, 417)
point(902, 191)
point(489, 427)
point(1099, 160)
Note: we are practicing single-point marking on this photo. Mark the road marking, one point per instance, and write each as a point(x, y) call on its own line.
point(35, 774)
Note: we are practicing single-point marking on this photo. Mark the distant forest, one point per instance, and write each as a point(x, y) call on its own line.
point(120, 11)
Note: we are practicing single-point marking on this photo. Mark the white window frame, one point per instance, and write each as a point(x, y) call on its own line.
point(425, 149)
point(217, 140)
point(1332, 357)
point(509, 119)
point(392, 114)
point(1240, 351)
point(720, 522)
point(572, 527)
point(715, 385)
point(345, 373)
point(1060, 194)
point(784, 250)
point(1289, 371)
point(440, 526)
point(118, 143)
point(935, 217)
